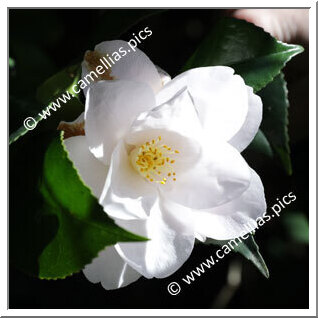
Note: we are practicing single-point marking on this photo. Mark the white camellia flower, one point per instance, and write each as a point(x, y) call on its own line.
point(163, 158)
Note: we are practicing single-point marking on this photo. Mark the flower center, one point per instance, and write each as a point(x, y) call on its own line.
point(154, 161)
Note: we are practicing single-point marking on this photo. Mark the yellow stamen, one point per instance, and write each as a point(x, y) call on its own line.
point(153, 160)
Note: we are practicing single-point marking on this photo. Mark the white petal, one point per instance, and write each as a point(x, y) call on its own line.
point(219, 176)
point(170, 229)
point(87, 84)
point(164, 76)
point(176, 122)
point(130, 65)
point(219, 96)
point(200, 237)
point(252, 122)
point(233, 218)
point(126, 195)
point(111, 106)
point(110, 270)
point(91, 170)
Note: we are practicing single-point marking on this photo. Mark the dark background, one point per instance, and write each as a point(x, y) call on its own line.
point(44, 41)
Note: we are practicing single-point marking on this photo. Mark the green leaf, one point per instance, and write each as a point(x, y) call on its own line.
point(248, 248)
point(253, 53)
point(48, 92)
point(58, 84)
point(57, 230)
point(261, 145)
point(258, 58)
point(297, 226)
point(275, 119)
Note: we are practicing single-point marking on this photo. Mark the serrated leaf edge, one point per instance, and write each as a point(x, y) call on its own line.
point(68, 274)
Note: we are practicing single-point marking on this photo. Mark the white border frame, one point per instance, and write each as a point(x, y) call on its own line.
point(312, 161)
